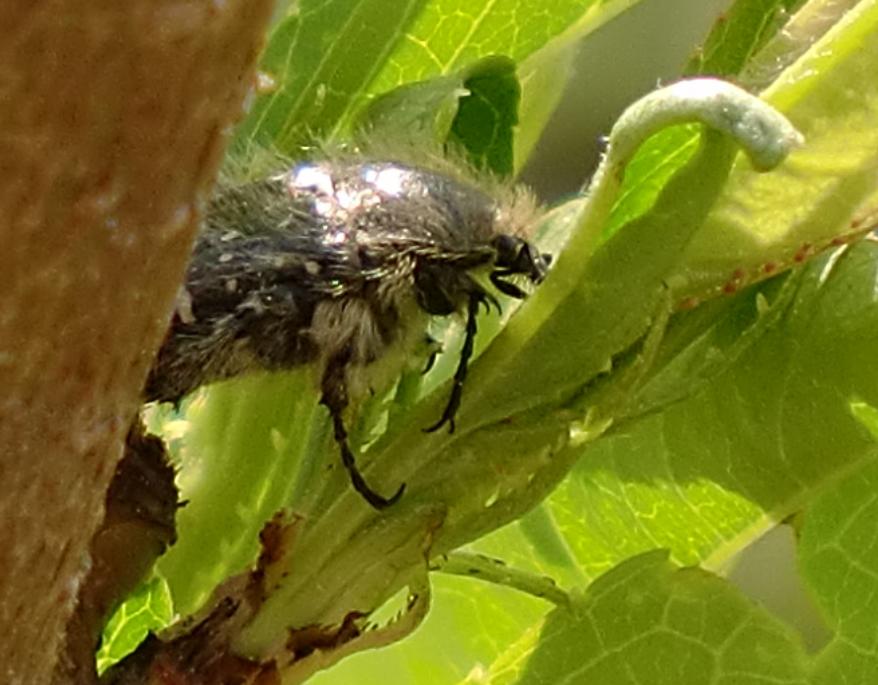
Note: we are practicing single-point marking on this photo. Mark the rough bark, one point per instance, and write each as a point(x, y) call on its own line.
point(113, 118)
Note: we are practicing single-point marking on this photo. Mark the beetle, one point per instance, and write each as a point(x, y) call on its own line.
point(339, 263)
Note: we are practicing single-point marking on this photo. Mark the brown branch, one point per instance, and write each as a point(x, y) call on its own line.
point(113, 119)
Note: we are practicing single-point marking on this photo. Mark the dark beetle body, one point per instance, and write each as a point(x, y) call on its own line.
point(337, 264)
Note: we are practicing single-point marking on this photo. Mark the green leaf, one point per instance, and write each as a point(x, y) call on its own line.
point(618, 302)
point(484, 125)
point(493, 470)
point(811, 21)
point(831, 95)
point(839, 560)
point(646, 621)
point(474, 110)
point(421, 112)
point(328, 59)
point(148, 609)
point(738, 35)
point(467, 626)
point(243, 459)
point(711, 473)
point(748, 422)
point(320, 57)
point(744, 40)
point(714, 472)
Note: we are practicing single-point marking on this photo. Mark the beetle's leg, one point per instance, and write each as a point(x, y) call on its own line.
point(335, 399)
point(466, 352)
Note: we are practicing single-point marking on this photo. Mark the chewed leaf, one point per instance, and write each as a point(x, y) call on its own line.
point(475, 110)
point(487, 117)
point(243, 455)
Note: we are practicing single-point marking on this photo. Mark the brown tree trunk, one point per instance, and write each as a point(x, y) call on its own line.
point(113, 119)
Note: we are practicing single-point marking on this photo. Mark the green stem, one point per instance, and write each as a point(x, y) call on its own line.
point(496, 571)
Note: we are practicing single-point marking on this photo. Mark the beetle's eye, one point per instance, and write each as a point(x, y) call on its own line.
point(508, 250)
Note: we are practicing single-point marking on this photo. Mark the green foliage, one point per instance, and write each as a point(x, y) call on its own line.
point(838, 558)
point(330, 58)
point(647, 621)
point(149, 608)
point(474, 111)
point(654, 393)
point(739, 35)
